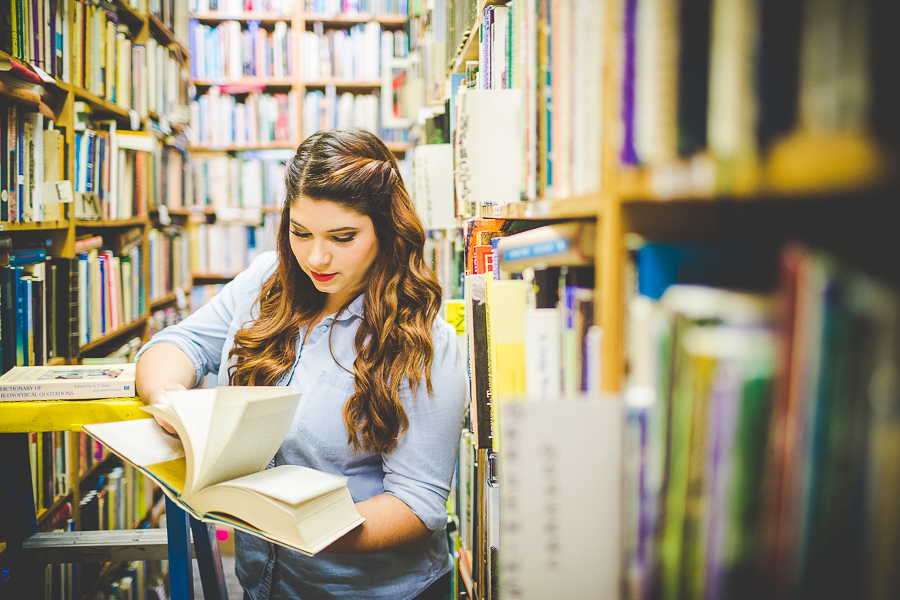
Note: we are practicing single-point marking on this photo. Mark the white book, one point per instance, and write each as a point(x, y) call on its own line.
point(433, 186)
point(543, 353)
point(216, 467)
point(489, 142)
point(572, 551)
point(67, 382)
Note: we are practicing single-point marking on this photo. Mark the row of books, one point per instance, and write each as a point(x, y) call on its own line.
point(173, 14)
point(224, 250)
point(49, 453)
point(112, 170)
point(748, 73)
point(228, 51)
point(170, 261)
point(34, 33)
point(356, 7)
point(353, 53)
point(111, 289)
point(217, 117)
point(457, 18)
point(120, 497)
point(147, 77)
point(38, 309)
point(328, 110)
point(235, 7)
point(171, 182)
point(477, 500)
point(170, 315)
point(761, 431)
point(250, 179)
point(33, 153)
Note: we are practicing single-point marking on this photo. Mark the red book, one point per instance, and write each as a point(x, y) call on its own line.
point(24, 73)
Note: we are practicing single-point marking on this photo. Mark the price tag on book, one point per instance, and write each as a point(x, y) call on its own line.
point(135, 119)
point(164, 218)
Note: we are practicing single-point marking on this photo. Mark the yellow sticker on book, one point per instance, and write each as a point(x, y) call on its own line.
point(456, 315)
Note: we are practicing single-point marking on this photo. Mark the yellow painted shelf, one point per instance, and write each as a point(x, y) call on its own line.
point(66, 415)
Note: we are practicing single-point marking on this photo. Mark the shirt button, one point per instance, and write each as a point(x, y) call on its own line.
point(324, 327)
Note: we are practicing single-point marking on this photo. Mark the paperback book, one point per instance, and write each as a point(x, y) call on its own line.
point(216, 467)
point(67, 382)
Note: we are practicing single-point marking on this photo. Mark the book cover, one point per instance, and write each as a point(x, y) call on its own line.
point(67, 382)
point(216, 467)
point(560, 244)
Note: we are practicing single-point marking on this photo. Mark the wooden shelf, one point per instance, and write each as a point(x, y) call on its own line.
point(66, 415)
point(91, 224)
point(169, 298)
point(211, 278)
point(7, 226)
point(398, 147)
point(584, 207)
point(348, 84)
point(468, 51)
point(129, 15)
point(238, 147)
point(43, 513)
point(99, 104)
point(245, 83)
point(800, 167)
point(112, 335)
point(345, 20)
point(243, 17)
point(164, 35)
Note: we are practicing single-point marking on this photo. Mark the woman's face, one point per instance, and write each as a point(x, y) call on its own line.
point(334, 246)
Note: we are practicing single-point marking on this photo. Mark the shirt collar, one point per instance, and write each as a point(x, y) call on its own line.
point(354, 310)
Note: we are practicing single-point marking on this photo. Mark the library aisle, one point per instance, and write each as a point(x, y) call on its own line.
point(665, 232)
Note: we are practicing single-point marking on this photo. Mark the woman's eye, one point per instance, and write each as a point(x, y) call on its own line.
point(344, 240)
point(300, 235)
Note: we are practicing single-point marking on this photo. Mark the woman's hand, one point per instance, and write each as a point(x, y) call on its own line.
point(159, 397)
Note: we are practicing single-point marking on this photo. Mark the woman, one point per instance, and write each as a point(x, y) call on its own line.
point(346, 313)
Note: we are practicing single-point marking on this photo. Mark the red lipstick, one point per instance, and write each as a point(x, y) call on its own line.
point(322, 276)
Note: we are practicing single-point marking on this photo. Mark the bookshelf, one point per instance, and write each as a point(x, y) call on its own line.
point(213, 210)
point(125, 104)
point(827, 179)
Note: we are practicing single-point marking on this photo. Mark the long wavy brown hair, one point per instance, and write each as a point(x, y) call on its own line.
point(401, 297)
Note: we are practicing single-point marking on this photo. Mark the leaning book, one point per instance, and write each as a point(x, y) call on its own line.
point(216, 467)
point(67, 382)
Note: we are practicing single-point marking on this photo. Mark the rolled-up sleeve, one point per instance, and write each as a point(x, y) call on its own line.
point(419, 471)
point(204, 334)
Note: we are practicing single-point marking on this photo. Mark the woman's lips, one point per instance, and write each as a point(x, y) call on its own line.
point(322, 276)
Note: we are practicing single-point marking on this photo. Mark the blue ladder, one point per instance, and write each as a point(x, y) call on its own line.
point(18, 528)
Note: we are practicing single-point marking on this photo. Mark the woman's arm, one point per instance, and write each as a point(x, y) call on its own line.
point(163, 368)
point(390, 525)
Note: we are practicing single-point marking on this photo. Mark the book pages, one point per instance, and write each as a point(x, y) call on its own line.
point(142, 441)
point(258, 417)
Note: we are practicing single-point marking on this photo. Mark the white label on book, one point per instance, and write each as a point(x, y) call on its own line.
point(489, 141)
point(135, 119)
point(433, 186)
point(164, 218)
point(560, 521)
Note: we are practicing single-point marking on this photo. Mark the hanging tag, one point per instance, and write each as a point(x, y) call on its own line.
point(164, 218)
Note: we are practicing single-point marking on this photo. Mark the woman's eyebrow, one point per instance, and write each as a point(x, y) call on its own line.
point(336, 230)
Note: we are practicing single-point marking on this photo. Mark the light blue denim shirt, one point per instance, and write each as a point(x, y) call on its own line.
point(418, 471)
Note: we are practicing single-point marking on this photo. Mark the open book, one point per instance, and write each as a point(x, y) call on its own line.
point(216, 468)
